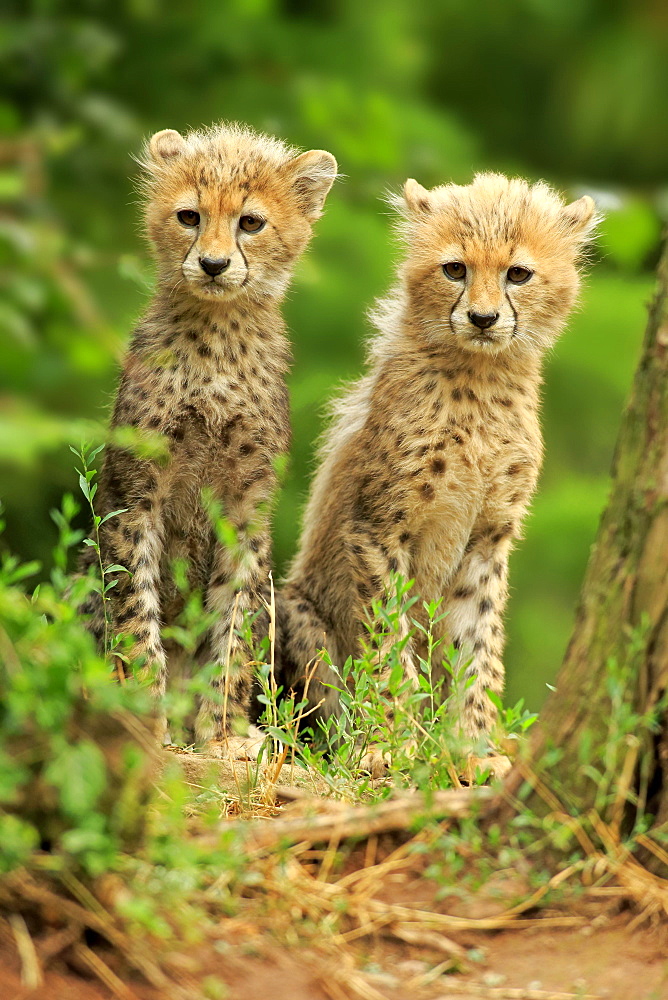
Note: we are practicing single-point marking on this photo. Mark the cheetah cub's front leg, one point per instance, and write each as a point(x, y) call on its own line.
point(473, 617)
point(474, 621)
point(238, 593)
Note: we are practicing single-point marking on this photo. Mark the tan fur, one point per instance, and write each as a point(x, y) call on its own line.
point(206, 368)
point(430, 462)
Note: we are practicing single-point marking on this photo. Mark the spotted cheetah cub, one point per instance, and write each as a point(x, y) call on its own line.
point(228, 212)
point(430, 463)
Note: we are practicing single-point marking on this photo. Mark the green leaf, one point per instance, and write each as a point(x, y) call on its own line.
point(12, 185)
point(113, 513)
point(495, 700)
point(20, 572)
point(79, 773)
point(18, 841)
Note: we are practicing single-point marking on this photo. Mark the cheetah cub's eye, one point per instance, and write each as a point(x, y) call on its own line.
point(251, 223)
point(518, 275)
point(188, 218)
point(455, 270)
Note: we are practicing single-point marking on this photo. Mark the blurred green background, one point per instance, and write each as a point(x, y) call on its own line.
point(575, 91)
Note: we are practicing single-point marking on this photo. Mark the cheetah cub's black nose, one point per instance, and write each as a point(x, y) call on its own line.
point(483, 320)
point(213, 266)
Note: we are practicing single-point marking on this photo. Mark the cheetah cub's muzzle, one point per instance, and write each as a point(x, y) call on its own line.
point(483, 315)
point(216, 263)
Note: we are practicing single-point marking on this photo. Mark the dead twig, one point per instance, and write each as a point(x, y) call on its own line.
point(55, 944)
point(456, 989)
point(427, 939)
point(428, 977)
point(408, 917)
point(101, 970)
point(31, 969)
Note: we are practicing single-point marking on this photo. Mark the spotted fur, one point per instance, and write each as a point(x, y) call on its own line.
point(206, 368)
point(432, 457)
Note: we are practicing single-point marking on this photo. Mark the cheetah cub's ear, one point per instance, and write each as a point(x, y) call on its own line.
point(417, 198)
point(580, 218)
point(166, 144)
point(312, 175)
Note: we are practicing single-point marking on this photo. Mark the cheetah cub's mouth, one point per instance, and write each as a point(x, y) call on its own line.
point(472, 338)
point(216, 286)
point(480, 339)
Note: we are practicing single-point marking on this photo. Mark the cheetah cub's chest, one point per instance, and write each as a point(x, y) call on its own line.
point(217, 399)
point(475, 446)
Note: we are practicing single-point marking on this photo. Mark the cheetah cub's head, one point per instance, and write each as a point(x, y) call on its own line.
point(229, 210)
point(493, 266)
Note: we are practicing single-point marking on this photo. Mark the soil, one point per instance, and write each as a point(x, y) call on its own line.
point(609, 962)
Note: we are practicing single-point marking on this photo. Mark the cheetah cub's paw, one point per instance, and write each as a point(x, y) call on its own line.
point(376, 763)
point(237, 747)
point(496, 765)
point(160, 730)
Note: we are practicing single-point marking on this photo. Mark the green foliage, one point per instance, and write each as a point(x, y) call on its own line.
point(630, 231)
point(63, 728)
point(550, 829)
point(610, 762)
point(515, 719)
point(77, 755)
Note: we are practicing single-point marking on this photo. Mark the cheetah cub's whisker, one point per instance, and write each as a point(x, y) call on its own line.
point(228, 212)
point(432, 457)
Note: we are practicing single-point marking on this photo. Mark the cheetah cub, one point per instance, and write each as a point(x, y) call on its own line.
point(432, 458)
point(228, 212)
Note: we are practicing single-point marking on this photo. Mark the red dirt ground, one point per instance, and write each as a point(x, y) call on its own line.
point(609, 962)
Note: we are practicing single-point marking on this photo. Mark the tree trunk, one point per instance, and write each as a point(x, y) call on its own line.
point(616, 666)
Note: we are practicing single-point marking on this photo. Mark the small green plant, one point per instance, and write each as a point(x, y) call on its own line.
point(101, 585)
point(512, 719)
point(610, 762)
point(413, 725)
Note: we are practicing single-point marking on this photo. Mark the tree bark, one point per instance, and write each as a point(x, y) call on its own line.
point(617, 660)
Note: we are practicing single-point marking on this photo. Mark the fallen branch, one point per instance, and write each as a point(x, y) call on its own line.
point(341, 821)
